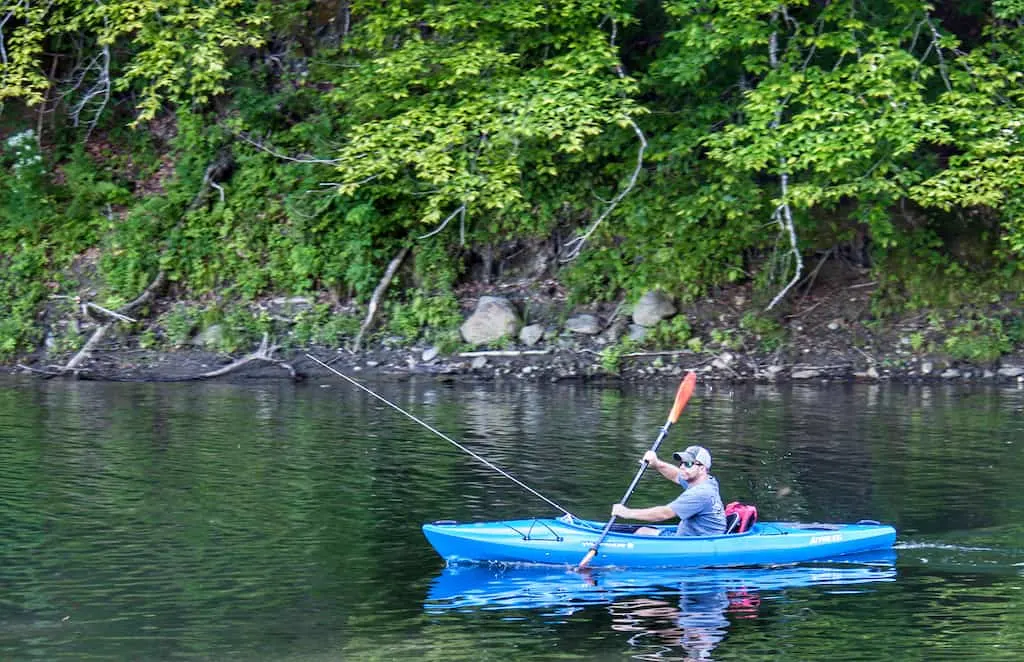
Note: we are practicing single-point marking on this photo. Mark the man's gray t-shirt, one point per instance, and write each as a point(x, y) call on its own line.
point(700, 510)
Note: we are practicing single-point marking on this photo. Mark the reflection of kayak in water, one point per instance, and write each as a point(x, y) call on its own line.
point(565, 540)
point(531, 587)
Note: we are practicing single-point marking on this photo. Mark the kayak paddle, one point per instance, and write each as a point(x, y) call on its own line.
point(682, 395)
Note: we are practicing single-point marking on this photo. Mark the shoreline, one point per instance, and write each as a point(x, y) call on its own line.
point(552, 364)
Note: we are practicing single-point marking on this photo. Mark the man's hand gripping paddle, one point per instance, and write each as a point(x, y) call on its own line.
point(682, 396)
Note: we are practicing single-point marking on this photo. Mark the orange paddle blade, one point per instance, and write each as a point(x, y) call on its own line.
point(682, 395)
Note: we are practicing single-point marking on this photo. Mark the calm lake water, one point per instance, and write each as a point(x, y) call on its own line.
point(268, 521)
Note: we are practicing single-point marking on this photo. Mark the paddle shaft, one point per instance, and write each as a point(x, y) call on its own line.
point(682, 395)
point(629, 491)
point(443, 436)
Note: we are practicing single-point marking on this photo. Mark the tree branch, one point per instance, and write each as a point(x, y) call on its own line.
point(460, 210)
point(575, 246)
point(378, 294)
point(98, 335)
point(264, 148)
point(263, 353)
point(783, 214)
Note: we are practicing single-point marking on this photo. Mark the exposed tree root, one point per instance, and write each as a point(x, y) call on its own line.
point(264, 353)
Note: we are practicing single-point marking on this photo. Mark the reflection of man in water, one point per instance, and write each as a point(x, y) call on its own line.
point(696, 625)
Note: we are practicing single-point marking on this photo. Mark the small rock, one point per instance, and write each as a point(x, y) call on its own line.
point(951, 373)
point(806, 374)
point(430, 353)
point(723, 361)
point(531, 334)
point(927, 368)
point(614, 331)
point(772, 372)
point(479, 363)
point(372, 364)
point(835, 325)
point(586, 324)
point(1011, 372)
point(637, 332)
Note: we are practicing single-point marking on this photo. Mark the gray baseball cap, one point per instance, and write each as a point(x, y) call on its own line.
point(694, 454)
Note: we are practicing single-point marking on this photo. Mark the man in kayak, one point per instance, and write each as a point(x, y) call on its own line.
point(699, 508)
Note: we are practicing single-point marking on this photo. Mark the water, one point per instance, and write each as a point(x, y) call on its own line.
point(278, 522)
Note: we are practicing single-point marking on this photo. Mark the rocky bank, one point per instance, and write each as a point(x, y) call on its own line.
point(527, 331)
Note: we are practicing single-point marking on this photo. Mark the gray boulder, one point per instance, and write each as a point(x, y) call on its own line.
point(493, 319)
point(653, 307)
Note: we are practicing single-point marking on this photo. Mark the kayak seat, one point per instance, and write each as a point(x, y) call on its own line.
point(625, 528)
point(739, 517)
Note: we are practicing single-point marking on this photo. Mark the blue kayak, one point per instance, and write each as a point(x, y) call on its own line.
point(566, 540)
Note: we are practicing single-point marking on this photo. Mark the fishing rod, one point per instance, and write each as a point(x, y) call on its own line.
point(443, 436)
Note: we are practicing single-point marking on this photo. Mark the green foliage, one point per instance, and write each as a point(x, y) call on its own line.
point(27, 209)
point(322, 326)
point(611, 356)
point(431, 316)
point(669, 334)
point(168, 51)
point(180, 323)
point(766, 331)
point(980, 338)
point(485, 124)
point(726, 338)
point(916, 341)
point(452, 105)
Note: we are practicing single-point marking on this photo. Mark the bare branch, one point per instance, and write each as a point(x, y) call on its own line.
point(98, 94)
point(262, 147)
point(575, 246)
point(460, 210)
point(783, 214)
point(108, 312)
point(101, 331)
point(378, 294)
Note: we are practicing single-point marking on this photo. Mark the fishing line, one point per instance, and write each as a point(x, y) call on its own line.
point(443, 436)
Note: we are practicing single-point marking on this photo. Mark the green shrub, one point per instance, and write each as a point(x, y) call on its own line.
point(669, 334)
point(981, 339)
